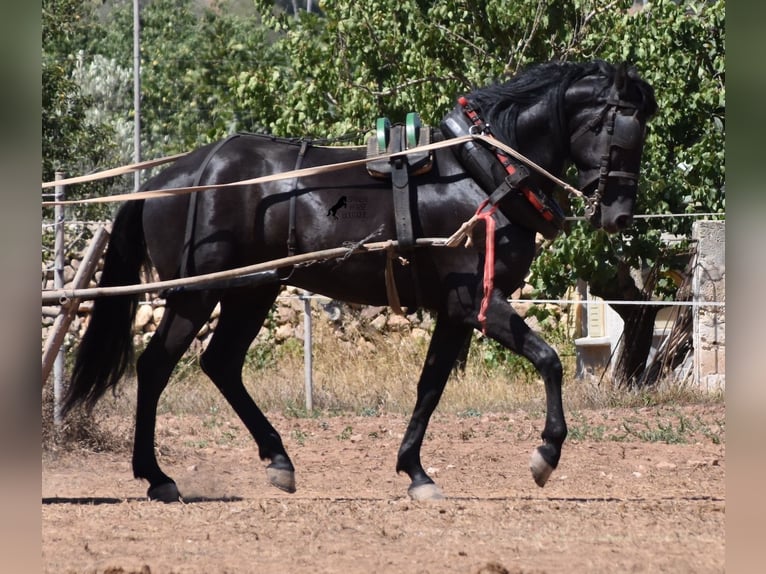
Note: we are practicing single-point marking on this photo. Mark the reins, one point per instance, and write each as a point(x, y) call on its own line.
point(62, 296)
point(114, 172)
point(464, 232)
point(296, 173)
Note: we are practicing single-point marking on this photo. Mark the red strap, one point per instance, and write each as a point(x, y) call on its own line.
point(489, 260)
point(532, 198)
point(504, 160)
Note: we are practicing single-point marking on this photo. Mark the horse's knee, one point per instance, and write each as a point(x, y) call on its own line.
point(548, 363)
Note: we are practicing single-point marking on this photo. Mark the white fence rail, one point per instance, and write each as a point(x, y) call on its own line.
point(708, 305)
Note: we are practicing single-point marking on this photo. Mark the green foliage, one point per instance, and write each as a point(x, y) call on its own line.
point(346, 433)
point(211, 70)
point(261, 355)
point(71, 141)
point(669, 427)
point(679, 49)
point(469, 414)
point(495, 357)
point(663, 432)
point(357, 61)
point(190, 55)
point(299, 436)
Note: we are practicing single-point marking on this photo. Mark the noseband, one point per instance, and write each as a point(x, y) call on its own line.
point(624, 132)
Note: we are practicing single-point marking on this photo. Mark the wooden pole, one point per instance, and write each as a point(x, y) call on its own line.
point(62, 295)
point(67, 312)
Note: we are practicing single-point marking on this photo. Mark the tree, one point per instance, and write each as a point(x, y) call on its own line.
point(191, 52)
point(333, 74)
point(680, 49)
point(71, 141)
point(338, 71)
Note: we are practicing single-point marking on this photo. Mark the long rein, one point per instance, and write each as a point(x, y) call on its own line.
point(65, 296)
point(303, 172)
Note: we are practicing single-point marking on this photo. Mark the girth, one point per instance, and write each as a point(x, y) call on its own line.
point(400, 184)
point(291, 236)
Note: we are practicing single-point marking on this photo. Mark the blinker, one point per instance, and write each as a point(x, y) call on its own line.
point(627, 132)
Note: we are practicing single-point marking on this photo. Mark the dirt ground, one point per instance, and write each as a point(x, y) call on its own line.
point(637, 490)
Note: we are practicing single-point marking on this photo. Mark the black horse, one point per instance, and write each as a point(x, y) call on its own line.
point(592, 114)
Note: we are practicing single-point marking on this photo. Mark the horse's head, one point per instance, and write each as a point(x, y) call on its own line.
point(607, 115)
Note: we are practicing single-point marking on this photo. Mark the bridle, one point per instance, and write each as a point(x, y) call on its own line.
point(624, 132)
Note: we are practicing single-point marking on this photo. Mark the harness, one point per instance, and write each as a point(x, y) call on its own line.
point(392, 139)
point(504, 179)
point(624, 132)
point(262, 277)
point(546, 217)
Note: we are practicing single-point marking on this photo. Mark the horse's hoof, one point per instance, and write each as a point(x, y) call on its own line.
point(428, 491)
point(541, 470)
point(166, 492)
point(281, 478)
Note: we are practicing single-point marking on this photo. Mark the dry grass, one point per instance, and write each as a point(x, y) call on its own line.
point(361, 371)
point(79, 430)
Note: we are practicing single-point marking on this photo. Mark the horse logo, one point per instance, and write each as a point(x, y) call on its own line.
point(333, 211)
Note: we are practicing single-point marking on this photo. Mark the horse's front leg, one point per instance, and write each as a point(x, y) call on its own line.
point(510, 330)
point(446, 343)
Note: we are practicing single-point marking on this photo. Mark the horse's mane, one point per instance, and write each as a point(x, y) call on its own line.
point(501, 103)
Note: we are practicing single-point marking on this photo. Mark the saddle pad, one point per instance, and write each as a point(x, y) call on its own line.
point(418, 162)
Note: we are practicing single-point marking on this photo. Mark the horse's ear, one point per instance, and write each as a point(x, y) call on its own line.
point(621, 77)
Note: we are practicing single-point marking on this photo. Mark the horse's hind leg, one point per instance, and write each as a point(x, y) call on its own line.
point(184, 316)
point(446, 344)
point(242, 314)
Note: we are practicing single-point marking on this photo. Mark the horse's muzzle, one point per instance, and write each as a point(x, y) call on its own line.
point(614, 217)
point(620, 223)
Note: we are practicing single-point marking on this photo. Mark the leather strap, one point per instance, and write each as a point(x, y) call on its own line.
point(187, 264)
point(400, 182)
point(291, 235)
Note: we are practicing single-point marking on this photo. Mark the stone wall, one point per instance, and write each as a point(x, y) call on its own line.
point(709, 323)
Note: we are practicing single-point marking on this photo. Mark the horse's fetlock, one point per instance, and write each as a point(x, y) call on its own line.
point(551, 453)
point(555, 436)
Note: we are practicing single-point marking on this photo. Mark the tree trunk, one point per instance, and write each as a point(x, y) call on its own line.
point(636, 344)
point(639, 324)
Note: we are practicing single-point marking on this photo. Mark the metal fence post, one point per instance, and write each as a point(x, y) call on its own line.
point(58, 282)
point(307, 356)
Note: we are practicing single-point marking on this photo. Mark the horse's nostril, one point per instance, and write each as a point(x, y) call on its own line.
point(624, 221)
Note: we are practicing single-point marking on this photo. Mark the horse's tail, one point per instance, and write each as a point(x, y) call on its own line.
point(106, 349)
